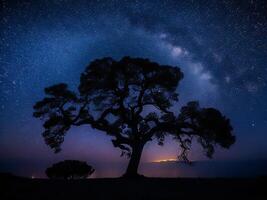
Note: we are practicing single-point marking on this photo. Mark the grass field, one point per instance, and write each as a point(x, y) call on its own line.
point(146, 188)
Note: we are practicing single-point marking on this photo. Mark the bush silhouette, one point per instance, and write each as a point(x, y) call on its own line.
point(69, 169)
point(135, 101)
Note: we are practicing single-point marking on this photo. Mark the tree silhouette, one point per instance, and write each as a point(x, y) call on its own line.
point(69, 169)
point(133, 100)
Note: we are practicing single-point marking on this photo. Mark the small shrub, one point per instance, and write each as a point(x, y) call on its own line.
point(69, 169)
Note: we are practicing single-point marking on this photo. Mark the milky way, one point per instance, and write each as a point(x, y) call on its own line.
point(221, 46)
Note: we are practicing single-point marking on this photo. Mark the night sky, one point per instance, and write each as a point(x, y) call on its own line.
point(221, 46)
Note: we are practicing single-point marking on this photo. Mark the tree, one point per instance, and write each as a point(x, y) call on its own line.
point(69, 169)
point(133, 100)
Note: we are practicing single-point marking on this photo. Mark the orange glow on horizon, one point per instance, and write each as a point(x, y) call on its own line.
point(165, 160)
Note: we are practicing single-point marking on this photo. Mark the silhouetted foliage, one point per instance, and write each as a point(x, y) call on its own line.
point(133, 100)
point(69, 169)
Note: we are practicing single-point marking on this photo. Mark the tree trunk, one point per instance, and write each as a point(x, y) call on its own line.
point(132, 168)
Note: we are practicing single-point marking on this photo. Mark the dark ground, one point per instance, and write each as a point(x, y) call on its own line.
point(147, 188)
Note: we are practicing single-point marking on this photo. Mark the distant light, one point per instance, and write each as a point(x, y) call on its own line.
point(166, 160)
point(32, 177)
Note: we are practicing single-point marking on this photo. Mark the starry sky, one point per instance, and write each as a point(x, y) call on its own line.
point(221, 46)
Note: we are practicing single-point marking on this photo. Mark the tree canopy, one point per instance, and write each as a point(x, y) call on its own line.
point(135, 101)
point(69, 169)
